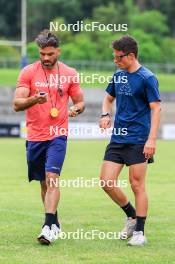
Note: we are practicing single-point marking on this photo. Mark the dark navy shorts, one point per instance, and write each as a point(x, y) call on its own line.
point(45, 156)
point(128, 154)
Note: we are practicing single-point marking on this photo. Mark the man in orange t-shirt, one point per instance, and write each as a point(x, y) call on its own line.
point(43, 90)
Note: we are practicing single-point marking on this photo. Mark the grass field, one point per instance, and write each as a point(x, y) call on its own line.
point(87, 208)
point(166, 81)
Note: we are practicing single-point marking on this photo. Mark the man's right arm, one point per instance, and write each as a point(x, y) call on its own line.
point(23, 101)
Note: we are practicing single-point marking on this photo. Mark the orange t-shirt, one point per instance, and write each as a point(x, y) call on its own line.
point(40, 125)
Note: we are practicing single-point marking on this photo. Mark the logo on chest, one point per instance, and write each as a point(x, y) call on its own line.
point(53, 81)
point(123, 87)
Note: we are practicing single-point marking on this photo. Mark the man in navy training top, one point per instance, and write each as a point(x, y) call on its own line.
point(133, 140)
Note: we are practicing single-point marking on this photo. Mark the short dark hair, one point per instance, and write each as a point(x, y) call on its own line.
point(47, 39)
point(126, 44)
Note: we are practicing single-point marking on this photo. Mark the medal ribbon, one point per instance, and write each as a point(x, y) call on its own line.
point(58, 90)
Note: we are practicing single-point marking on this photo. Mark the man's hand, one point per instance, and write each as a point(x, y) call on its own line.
point(78, 105)
point(74, 111)
point(105, 122)
point(149, 148)
point(40, 99)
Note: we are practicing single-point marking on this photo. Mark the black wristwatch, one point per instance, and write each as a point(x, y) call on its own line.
point(104, 115)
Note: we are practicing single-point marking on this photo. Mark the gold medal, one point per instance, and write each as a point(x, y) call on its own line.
point(54, 112)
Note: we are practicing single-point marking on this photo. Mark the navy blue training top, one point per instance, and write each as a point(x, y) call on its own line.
point(133, 91)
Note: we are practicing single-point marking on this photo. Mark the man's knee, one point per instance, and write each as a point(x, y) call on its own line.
point(137, 186)
point(52, 181)
point(107, 184)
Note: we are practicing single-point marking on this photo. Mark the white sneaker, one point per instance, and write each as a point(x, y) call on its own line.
point(46, 236)
point(55, 232)
point(138, 239)
point(129, 228)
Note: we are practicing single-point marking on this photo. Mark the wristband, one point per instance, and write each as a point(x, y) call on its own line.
point(104, 115)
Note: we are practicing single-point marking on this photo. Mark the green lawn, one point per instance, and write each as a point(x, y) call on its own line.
point(86, 208)
point(166, 81)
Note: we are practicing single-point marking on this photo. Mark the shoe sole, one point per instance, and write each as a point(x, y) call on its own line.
point(43, 241)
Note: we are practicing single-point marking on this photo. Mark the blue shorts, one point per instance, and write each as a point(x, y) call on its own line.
point(45, 156)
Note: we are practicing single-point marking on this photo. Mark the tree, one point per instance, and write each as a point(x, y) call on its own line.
point(152, 22)
point(10, 19)
point(149, 51)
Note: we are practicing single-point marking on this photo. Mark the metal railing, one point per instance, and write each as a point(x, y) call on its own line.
point(91, 65)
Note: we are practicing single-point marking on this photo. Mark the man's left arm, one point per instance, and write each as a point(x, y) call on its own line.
point(76, 94)
point(78, 105)
point(150, 145)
